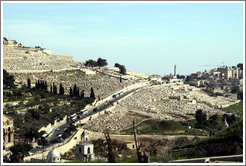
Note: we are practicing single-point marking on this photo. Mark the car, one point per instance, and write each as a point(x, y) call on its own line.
point(39, 146)
point(57, 129)
point(7, 156)
point(29, 153)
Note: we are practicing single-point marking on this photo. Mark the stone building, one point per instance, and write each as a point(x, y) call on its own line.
point(8, 131)
point(231, 72)
point(53, 156)
point(85, 149)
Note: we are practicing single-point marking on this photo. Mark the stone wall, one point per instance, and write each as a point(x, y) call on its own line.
point(56, 123)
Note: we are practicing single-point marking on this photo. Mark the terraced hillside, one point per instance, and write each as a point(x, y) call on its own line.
point(17, 58)
point(103, 85)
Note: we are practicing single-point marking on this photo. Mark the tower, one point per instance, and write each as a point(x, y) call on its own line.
point(175, 70)
point(175, 74)
point(84, 149)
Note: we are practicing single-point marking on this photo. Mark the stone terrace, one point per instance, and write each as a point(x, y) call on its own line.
point(103, 85)
point(24, 59)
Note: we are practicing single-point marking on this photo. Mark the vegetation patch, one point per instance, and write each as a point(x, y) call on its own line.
point(235, 109)
point(157, 127)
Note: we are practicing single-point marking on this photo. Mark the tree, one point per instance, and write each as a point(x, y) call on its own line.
point(213, 120)
point(75, 90)
point(163, 156)
point(92, 95)
point(91, 63)
point(51, 88)
point(82, 96)
point(111, 157)
point(201, 118)
point(122, 69)
point(240, 66)
point(18, 151)
point(61, 90)
point(71, 92)
point(54, 88)
point(8, 80)
point(116, 65)
point(101, 62)
point(28, 83)
point(32, 133)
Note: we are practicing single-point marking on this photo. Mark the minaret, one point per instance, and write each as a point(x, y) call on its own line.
point(175, 76)
point(174, 70)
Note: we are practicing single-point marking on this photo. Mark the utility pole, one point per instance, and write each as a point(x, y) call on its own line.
point(136, 143)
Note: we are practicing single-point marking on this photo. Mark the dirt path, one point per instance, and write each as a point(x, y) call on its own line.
point(130, 138)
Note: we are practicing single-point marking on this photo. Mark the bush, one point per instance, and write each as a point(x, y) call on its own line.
point(163, 157)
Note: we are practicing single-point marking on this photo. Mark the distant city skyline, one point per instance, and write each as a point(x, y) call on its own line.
point(149, 38)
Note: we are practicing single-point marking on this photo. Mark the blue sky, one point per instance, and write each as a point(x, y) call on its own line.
point(147, 38)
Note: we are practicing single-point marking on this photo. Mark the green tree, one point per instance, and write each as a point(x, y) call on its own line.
point(240, 66)
point(51, 91)
point(54, 88)
point(101, 62)
point(117, 65)
point(61, 90)
point(82, 95)
point(28, 83)
point(91, 63)
point(201, 118)
point(71, 92)
point(213, 120)
point(92, 95)
point(122, 69)
point(18, 151)
point(111, 157)
point(8, 80)
point(163, 156)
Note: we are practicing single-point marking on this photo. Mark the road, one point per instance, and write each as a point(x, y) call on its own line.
point(60, 129)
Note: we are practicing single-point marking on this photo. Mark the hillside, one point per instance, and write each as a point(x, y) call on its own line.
point(17, 58)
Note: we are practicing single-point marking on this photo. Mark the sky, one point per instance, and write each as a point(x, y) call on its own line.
point(147, 38)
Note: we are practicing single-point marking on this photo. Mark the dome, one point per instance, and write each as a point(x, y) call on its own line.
point(53, 154)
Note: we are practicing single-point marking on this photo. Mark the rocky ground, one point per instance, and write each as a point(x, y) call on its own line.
point(159, 102)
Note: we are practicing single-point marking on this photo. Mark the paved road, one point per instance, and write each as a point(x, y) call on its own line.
point(52, 140)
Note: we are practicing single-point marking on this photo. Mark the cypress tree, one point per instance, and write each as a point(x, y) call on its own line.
point(82, 96)
point(74, 90)
point(61, 90)
point(71, 92)
point(28, 83)
point(92, 95)
point(51, 88)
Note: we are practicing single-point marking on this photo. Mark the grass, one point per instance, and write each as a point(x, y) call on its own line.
point(127, 160)
point(231, 133)
point(96, 161)
point(155, 127)
point(235, 109)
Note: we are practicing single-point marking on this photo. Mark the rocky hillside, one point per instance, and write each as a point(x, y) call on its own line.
point(17, 58)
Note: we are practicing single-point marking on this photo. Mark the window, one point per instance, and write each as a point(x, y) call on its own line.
point(89, 150)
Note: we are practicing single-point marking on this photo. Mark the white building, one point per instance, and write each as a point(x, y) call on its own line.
point(54, 156)
point(85, 149)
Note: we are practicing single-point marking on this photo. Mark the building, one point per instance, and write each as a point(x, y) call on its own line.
point(231, 72)
point(132, 145)
point(196, 75)
point(53, 156)
point(8, 131)
point(84, 149)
